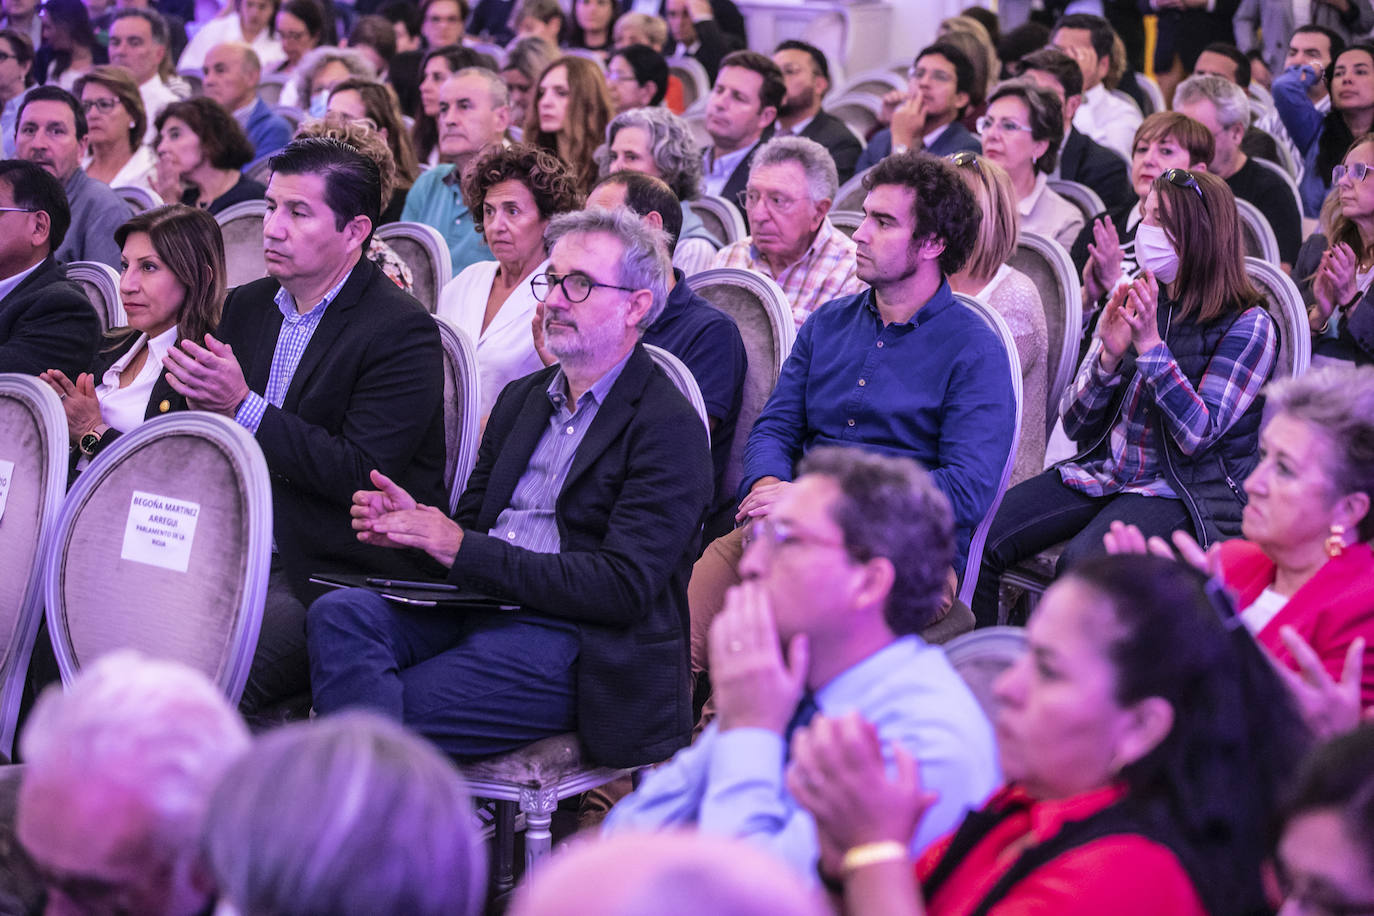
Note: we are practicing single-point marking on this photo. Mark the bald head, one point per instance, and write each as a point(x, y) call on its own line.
point(232, 72)
point(667, 874)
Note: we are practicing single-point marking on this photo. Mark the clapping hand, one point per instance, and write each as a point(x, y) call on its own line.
point(1328, 706)
point(1140, 312)
point(79, 401)
point(1105, 257)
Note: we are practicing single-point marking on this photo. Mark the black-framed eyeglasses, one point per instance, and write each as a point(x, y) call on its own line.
point(105, 106)
point(1357, 171)
point(576, 287)
point(1182, 178)
point(965, 159)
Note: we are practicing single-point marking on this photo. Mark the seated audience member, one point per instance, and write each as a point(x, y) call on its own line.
point(369, 142)
point(350, 815)
point(898, 369)
point(592, 26)
point(1224, 110)
point(474, 111)
point(640, 29)
point(1330, 268)
point(334, 371)
point(512, 193)
point(697, 33)
point(1109, 120)
point(540, 19)
point(442, 22)
point(571, 108)
point(46, 321)
point(13, 82)
point(52, 133)
point(1166, 407)
point(115, 126)
point(70, 47)
point(250, 22)
point(599, 572)
point(493, 21)
point(1303, 560)
point(939, 85)
point(806, 75)
point(969, 36)
point(696, 332)
point(1106, 249)
point(374, 102)
point(1144, 742)
point(1262, 139)
point(300, 29)
point(436, 67)
point(1325, 855)
point(373, 37)
point(987, 275)
point(139, 43)
point(200, 153)
point(846, 570)
point(1020, 132)
point(119, 772)
point(740, 111)
point(1321, 139)
point(636, 77)
point(526, 58)
point(667, 874)
point(322, 70)
point(1081, 158)
point(172, 289)
point(1312, 45)
point(791, 184)
point(232, 75)
point(659, 144)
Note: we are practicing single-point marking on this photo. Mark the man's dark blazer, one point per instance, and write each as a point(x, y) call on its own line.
point(629, 520)
point(954, 139)
point(46, 322)
point(1089, 163)
point(1186, 32)
point(838, 140)
point(368, 393)
point(713, 43)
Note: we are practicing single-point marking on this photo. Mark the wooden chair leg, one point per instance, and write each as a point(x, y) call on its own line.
point(505, 846)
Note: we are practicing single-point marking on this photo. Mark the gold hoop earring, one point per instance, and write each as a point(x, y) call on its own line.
point(1335, 542)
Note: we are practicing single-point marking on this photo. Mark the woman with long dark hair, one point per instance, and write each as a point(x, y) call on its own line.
point(572, 106)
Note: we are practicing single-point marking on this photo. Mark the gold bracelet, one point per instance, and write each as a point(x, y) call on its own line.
point(867, 854)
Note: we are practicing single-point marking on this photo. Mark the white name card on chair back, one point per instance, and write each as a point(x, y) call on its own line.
point(160, 531)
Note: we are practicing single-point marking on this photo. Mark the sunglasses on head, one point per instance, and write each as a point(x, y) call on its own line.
point(1182, 178)
point(965, 159)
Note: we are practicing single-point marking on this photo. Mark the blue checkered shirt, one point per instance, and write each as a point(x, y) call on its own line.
point(292, 339)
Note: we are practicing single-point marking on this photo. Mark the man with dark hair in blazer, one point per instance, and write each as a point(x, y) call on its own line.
point(743, 104)
point(46, 321)
point(585, 509)
point(336, 372)
point(806, 73)
point(927, 117)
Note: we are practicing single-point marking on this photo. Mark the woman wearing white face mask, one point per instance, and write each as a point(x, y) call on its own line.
point(1165, 407)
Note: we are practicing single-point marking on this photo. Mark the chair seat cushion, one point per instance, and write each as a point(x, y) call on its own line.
point(543, 763)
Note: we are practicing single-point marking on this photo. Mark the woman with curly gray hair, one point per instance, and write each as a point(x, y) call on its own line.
point(512, 193)
point(660, 144)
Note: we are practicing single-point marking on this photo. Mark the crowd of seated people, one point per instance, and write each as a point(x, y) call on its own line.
point(736, 574)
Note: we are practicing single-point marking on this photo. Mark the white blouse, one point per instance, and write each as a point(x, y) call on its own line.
point(138, 172)
point(505, 350)
point(228, 28)
point(124, 408)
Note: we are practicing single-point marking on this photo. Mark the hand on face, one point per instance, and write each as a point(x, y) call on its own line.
point(754, 687)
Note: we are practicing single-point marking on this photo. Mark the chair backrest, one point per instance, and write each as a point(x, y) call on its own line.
point(33, 480)
point(241, 225)
point(291, 114)
point(720, 217)
point(101, 283)
point(163, 546)
point(1284, 303)
point(764, 318)
point(696, 123)
point(462, 409)
point(424, 249)
point(850, 197)
point(1081, 196)
point(139, 198)
point(981, 656)
point(195, 78)
point(696, 82)
point(1152, 92)
point(1127, 97)
point(270, 89)
point(260, 169)
point(1257, 233)
point(682, 377)
point(873, 82)
point(1283, 173)
point(847, 221)
point(980, 534)
point(1051, 270)
point(494, 51)
point(859, 110)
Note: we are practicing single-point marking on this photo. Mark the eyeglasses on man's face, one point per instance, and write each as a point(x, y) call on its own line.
point(774, 201)
point(576, 287)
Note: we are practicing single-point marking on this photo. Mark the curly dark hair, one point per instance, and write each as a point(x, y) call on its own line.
point(944, 208)
point(222, 140)
point(549, 179)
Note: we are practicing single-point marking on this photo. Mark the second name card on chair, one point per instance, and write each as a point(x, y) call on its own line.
point(6, 473)
point(160, 531)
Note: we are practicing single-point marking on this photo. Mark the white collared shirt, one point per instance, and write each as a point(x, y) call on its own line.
point(1109, 120)
point(124, 408)
point(718, 169)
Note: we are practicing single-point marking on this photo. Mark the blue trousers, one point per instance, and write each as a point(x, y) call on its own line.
point(475, 683)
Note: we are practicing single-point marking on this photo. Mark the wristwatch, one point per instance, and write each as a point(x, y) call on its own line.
point(90, 443)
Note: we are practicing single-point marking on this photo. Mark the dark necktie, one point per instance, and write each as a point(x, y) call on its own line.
point(806, 710)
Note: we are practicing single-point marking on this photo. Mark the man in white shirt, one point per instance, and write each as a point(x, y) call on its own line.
point(742, 106)
point(1108, 119)
point(138, 43)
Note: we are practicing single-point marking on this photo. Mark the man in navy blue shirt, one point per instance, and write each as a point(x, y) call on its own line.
point(900, 369)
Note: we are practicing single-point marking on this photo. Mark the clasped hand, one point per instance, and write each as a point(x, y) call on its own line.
point(1334, 283)
point(79, 401)
point(390, 517)
point(209, 377)
point(1129, 320)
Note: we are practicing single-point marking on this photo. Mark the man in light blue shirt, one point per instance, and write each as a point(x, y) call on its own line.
point(841, 575)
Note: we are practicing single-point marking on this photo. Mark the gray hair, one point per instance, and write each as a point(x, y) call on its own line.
point(890, 507)
point(500, 92)
point(1232, 104)
point(158, 730)
point(1046, 116)
point(316, 60)
point(529, 55)
point(676, 153)
point(1338, 401)
point(349, 814)
point(822, 180)
point(645, 264)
